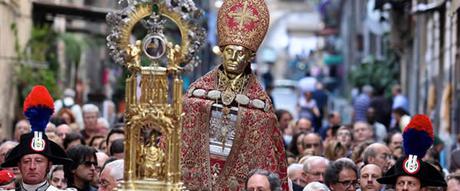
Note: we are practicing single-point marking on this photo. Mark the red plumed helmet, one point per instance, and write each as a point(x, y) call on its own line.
point(421, 123)
point(418, 136)
point(39, 96)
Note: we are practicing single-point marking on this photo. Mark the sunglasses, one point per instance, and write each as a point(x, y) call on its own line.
point(89, 163)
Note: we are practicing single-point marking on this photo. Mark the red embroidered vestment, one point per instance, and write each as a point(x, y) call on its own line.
point(257, 142)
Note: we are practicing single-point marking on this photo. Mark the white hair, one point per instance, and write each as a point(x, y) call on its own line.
point(9, 143)
point(346, 159)
point(294, 167)
point(69, 93)
point(104, 122)
point(89, 108)
point(116, 169)
point(316, 186)
point(310, 160)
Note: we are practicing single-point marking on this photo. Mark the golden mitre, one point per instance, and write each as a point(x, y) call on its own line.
point(243, 23)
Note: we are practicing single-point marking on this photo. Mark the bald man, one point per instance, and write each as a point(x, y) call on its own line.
point(368, 178)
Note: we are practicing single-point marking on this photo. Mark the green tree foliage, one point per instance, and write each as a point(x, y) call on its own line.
point(37, 62)
point(380, 74)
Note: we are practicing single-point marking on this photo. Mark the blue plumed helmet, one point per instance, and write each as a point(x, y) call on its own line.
point(418, 137)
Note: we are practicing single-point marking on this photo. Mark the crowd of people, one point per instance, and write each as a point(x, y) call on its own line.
point(338, 156)
point(95, 147)
point(335, 156)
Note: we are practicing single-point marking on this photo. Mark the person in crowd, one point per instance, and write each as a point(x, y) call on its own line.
point(314, 169)
point(434, 152)
point(68, 102)
point(63, 130)
point(362, 103)
point(22, 127)
point(68, 118)
point(117, 149)
point(72, 140)
point(378, 154)
point(5, 147)
point(264, 180)
point(103, 146)
point(321, 98)
point(394, 142)
point(291, 158)
point(50, 132)
point(307, 107)
point(84, 169)
point(103, 126)
point(382, 107)
point(316, 186)
point(312, 144)
point(96, 141)
point(57, 178)
point(296, 146)
point(401, 119)
point(368, 176)
point(344, 136)
point(334, 119)
point(335, 150)
point(284, 118)
point(90, 116)
point(342, 175)
point(453, 182)
point(411, 172)
point(456, 144)
point(358, 150)
point(114, 134)
point(362, 131)
point(101, 160)
point(296, 175)
point(399, 100)
point(35, 153)
point(285, 125)
point(380, 131)
point(303, 125)
point(111, 175)
point(454, 165)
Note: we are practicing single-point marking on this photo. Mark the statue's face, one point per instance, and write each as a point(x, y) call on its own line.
point(236, 58)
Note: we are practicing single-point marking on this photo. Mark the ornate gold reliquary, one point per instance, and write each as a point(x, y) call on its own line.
point(154, 86)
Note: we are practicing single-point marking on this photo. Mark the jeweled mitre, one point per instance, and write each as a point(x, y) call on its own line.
point(243, 23)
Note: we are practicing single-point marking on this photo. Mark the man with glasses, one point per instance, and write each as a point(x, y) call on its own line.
point(368, 176)
point(111, 175)
point(314, 168)
point(378, 154)
point(342, 175)
point(84, 168)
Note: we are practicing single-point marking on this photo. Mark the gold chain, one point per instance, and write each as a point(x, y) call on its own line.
point(236, 85)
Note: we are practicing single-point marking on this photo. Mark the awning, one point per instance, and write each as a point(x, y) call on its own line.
point(333, 59)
